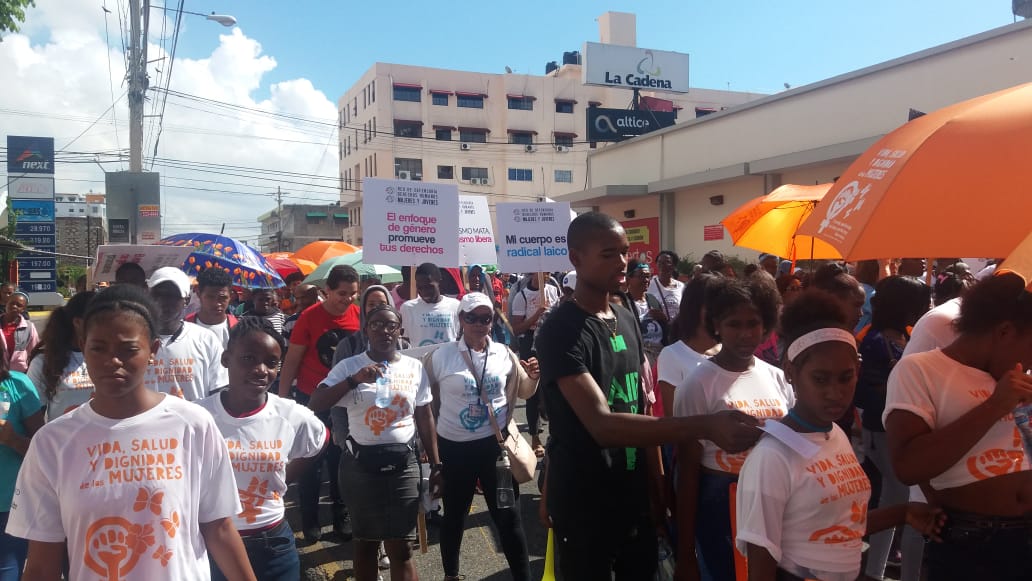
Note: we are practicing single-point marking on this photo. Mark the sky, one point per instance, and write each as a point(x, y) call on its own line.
point(220, 166)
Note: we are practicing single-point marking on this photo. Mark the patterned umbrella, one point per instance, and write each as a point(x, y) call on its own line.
point(245, 264)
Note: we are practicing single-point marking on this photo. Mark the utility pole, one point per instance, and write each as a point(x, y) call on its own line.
point(139, 21)
point(279, 219)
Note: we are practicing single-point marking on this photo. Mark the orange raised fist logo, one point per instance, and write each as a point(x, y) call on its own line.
point(253, 498)
point(731, 463)
point(995, 462)
point(114, 546)
point(379, 418)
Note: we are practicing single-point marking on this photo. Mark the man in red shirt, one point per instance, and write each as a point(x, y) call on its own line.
point(309, 358)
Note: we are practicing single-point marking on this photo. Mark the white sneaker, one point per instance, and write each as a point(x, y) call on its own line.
point(382, 561)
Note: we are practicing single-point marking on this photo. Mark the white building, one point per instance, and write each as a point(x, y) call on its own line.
point(513, 137)
point(80, 206)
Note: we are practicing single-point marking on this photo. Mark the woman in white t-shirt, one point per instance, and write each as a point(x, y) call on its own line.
point(741, 314)
point(134, 485)
point(694, 345)
point(665, 286)
point(802, 496)
point(57, 367)
point(388, 398)
point(271, 442)
point(949, 420)
point(463, 375)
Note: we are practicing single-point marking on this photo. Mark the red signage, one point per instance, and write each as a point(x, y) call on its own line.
point(713, 232)
point(643, 235)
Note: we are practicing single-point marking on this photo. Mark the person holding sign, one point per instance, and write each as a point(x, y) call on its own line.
point(135, 484)
point(590, 354)
point(527, 307)
point(430, 318)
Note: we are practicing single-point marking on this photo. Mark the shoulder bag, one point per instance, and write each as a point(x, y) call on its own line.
point(522, 460)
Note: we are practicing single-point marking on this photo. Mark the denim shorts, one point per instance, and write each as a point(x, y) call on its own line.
point(383, 506)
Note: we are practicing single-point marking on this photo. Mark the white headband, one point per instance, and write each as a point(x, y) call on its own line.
point(819, 336)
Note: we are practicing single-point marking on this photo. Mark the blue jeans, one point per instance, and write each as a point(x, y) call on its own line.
point(272, 554)
point(13, 551)
point(715, 547)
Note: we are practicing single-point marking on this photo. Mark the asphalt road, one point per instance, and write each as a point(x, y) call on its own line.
point(482, 559)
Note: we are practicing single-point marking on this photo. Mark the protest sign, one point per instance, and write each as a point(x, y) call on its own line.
point(408, 222)
point(476, 236)
point(532, 237)
point(149, 256)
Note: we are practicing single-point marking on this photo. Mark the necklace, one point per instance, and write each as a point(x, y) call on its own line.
point(807, 425)
point(611, 324)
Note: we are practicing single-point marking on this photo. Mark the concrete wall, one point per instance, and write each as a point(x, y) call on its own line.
point(72, 238)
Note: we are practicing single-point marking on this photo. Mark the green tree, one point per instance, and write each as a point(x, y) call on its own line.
point(12, 14)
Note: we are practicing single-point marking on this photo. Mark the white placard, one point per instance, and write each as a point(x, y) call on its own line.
point(532, 237)
point(476, 235)
point(31, 188)
point(408, 222)
point(149, 256)
point(629, 67)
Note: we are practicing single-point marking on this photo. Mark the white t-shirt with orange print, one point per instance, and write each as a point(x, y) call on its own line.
point(260, 446)
point(939, 390)
point(392, 421)
point(809, 513)
point(188, 364)
point(761, 392)
point(128, 495)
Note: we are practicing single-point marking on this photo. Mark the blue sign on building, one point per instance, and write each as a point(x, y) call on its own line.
point(29, 155)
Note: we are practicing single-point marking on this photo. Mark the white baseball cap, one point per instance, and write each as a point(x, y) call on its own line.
point(173, 275)
point(570, 280)
point(471, 301)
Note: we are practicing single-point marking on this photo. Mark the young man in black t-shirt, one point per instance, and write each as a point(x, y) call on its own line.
point(590, 357)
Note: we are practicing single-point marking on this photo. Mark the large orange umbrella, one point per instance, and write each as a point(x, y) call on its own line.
point(769, 223)
point(954, 182)
point(285, 263)
point(323, 250)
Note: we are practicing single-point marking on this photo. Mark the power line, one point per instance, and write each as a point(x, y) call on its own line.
point(168, 76)
point(111, 76)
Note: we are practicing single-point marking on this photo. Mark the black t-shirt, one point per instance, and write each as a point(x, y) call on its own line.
point(587, 482)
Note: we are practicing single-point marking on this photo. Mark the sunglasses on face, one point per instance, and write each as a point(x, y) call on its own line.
point(472, 319)
point(388, 326)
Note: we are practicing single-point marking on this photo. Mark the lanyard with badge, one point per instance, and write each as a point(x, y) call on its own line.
point(477, 409)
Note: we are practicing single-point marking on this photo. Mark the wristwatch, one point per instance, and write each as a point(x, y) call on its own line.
point(437, 466)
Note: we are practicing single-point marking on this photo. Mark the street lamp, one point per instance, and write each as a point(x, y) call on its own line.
point(139, 20)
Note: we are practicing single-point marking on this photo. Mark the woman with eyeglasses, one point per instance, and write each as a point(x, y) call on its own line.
point(388, 397)
point(466, 377)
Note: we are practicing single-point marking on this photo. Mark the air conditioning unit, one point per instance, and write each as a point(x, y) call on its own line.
point(478, 181)
point(465, 146)
point(530, 148)
point(404, 175)
point(562, 148)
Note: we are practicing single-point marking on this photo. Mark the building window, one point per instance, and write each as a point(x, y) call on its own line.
point(407, 128)
point(470, 101)
point(521, 175)
point(442, 134)
point(473, 135)
point(402, 93)
point(564, 140)
point(411, 169)
point(439, 99)
point(564, 176)
point(521, 103)
point(474, 173)
point(445, 172)
point(521, 137)
point(564, 106)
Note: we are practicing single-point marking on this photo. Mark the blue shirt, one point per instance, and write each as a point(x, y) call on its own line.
point(24, 403)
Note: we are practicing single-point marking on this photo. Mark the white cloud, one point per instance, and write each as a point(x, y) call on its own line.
point(58, 66)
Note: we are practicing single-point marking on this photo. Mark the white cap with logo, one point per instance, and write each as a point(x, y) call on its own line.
point(173, 275)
